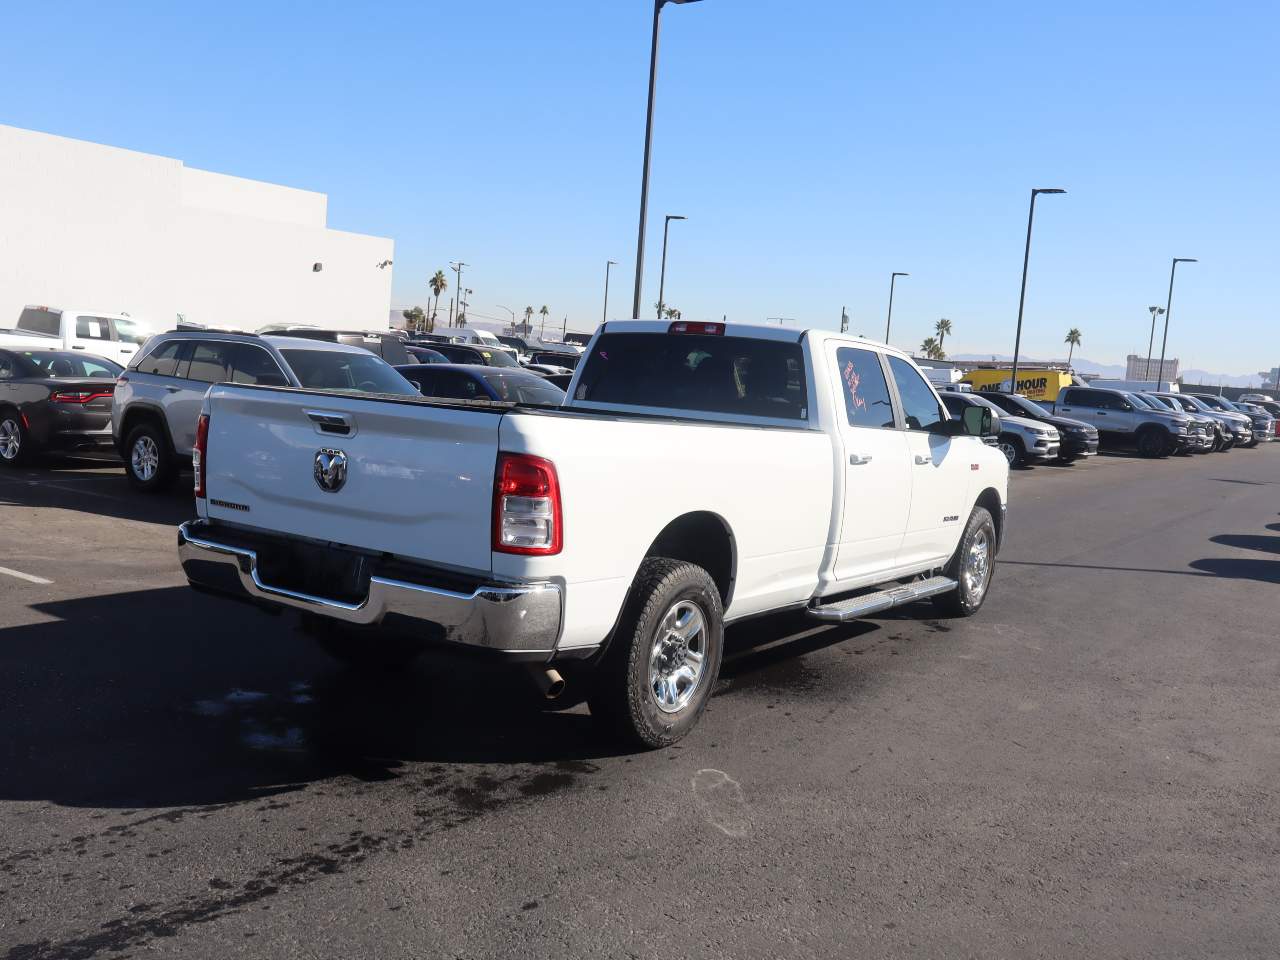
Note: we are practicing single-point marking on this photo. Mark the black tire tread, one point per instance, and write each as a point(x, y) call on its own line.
point(953, 603)
point(616, 701)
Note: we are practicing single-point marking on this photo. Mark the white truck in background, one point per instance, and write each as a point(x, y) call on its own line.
point(699, 474)
point(112, 335)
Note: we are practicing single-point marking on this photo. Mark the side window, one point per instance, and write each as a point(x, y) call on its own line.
point(1110, 401)
point(866, 394)
point(93, 328)
point(424, 380)
point(7, 371)
point(250, 364)
point(129, 332)
point(1081, 398)
point(209, 362)
point(163, 361)
point(955, 406)
point(919, 405)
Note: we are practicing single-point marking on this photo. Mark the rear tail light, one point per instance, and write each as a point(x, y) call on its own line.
point(79, 396)
point(527, 514)
point(702, 329)
point(199, 460)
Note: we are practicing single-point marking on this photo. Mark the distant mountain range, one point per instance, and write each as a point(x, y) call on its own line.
point(1116, 371)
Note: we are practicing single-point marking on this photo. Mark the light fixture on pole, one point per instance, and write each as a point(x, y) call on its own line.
point(648, 149)
point(893, 279)
point(604, 318)
point(457, 268)
point(1155, 312)
point(513, 316)
point(1022, 297)
point(1167, 308)
point(662, 277)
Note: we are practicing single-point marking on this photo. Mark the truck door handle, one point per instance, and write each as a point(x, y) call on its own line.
point(857, 461)
point(921, 461)
point(172, 389)
point(1102, 413)
point(74, 347)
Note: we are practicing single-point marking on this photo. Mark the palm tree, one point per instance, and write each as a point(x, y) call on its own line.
point(438, 285)
point(672, 313)
point(528, 315)
point(544, 311)
point(1073, 338)
point(930, 348)
point(943, 327)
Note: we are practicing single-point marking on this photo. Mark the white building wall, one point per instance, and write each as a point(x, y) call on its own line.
point(93, 227)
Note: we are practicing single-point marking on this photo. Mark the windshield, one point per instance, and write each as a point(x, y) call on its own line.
point(525, 388)
point(1138, 400)
point(1023, 405)
point(1162, 402)
point(708, 374)
point(344, 372)
point(1214, 403)
point(497, 358)
point(63, 363)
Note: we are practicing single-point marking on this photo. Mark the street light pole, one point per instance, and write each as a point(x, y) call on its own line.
point(457, 268)
point(1167, 308)
point(893, 278)
point(605, 315)
point(514, 331)
point(662, 277)
point(1155, 312)
point(648, 149)
point(1022, 297)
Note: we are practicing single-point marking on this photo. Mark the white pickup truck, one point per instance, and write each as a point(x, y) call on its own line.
point(112, 335)
point(698, 474)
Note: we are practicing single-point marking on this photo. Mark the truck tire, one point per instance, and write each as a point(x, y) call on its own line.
point(15, 441)
point(366, 650)
point(149, 463)
point(1012, 449)
point(972, 566)
point(664, 658)
point(1153, 442)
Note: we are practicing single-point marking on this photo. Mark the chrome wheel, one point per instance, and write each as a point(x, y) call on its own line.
point(1010, 451)
point(144, 458)
point(676, 658)
point(975, 570)
point(10, 439)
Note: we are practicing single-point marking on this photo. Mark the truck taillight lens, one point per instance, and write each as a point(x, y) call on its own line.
point(199, 460)
point(527, 517)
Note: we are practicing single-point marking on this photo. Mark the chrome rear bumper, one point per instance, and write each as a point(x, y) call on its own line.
point(510, 617)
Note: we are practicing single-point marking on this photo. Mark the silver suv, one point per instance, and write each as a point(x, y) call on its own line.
point(157, 399)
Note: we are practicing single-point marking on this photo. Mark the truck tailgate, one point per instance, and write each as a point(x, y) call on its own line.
point(419, 477)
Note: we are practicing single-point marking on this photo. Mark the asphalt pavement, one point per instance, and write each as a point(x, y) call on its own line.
point(1088, 768)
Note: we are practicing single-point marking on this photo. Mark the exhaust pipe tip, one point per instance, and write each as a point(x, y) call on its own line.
point(548, 681)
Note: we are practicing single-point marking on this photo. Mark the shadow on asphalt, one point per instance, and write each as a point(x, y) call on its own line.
point(1248, 541)
point(167, 698)
point(82, 484)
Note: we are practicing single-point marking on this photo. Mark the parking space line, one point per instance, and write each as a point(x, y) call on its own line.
point(30, 578)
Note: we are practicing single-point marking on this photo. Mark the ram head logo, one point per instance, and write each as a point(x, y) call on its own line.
point(330, 470)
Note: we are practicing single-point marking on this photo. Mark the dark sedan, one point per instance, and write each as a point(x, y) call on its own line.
point(475, 354)
point(471, 382)
point(426, 354)
point(1079, 439)
point(54, 399)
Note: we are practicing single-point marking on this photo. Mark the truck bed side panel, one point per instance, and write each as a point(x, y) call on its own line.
point(623, 480)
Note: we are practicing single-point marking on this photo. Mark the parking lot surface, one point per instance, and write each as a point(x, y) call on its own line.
point(1088, 768)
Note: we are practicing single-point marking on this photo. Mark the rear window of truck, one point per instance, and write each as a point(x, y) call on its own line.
point(711, 374)
point(40, 320)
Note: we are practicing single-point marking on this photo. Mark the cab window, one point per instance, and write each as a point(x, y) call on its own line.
point(920, 407)
point(862, 383)
point(93, 328)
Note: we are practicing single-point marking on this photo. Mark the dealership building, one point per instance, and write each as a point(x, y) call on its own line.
point(90, 227)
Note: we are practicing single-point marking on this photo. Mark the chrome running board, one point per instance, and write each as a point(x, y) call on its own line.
point(869, 603)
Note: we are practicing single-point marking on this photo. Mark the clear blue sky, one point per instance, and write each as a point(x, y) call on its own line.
point(815, 147)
